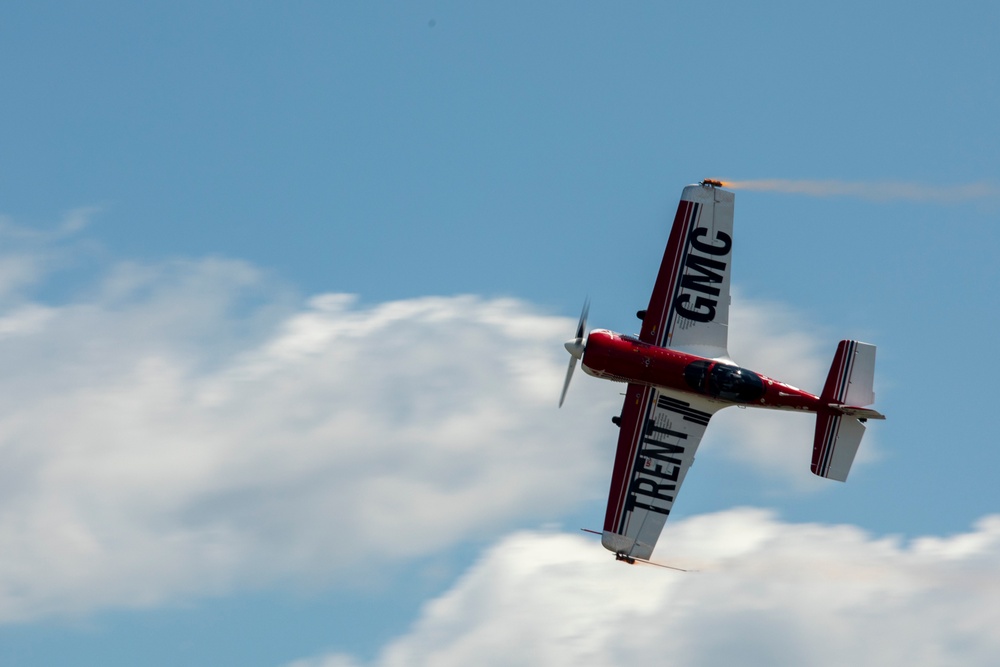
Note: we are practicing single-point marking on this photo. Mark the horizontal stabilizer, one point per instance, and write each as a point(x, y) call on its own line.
point(835, 445)
point(859, 413)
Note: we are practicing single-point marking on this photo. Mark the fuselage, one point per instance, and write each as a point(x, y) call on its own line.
point(614, 356)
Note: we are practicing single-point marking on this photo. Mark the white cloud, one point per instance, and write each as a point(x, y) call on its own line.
point(73, 221)
point(768, 592)
point(30, 254)
point(186, 431)
point(332, 660)
point(190, 428)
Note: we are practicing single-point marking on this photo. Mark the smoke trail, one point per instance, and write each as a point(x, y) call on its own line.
point(885, 191)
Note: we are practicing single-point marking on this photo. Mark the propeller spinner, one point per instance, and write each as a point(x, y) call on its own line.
point(576, 347)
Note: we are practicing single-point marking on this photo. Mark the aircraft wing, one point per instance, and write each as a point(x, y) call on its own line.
point(689, 307)
point(660, 431)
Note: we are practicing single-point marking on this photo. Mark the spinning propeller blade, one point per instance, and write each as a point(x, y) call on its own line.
point(575, 347)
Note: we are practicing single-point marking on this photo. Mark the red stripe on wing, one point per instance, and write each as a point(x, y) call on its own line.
point(634, 411)
point(658, 312)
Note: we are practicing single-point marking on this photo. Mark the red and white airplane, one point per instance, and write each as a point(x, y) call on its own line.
point(679, 374)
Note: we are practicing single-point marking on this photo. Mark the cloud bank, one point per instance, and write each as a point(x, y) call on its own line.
point(769, 592)
point(168, 436)
point(188, 429)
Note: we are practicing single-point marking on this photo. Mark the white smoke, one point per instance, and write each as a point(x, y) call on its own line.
point(875, 191)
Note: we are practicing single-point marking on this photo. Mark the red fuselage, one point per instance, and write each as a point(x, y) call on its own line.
point(613, 356)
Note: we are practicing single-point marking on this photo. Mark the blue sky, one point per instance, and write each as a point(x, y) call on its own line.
point(212, 454)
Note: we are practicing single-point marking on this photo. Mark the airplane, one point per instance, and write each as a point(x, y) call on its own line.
point(679, 373)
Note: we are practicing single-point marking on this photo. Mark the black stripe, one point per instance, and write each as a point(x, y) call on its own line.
point(689, 415)
point(684, 409)
point(831, 440)
point(845, 376)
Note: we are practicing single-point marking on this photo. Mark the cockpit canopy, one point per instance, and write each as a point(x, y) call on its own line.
point(729, 383)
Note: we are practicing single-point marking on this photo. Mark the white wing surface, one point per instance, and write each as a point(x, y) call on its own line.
point(689, 307)
point(660, 432)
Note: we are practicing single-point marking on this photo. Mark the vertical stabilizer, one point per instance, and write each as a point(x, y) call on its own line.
point(852, 375)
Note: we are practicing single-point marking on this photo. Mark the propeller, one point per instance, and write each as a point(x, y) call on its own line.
point(575, 347)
